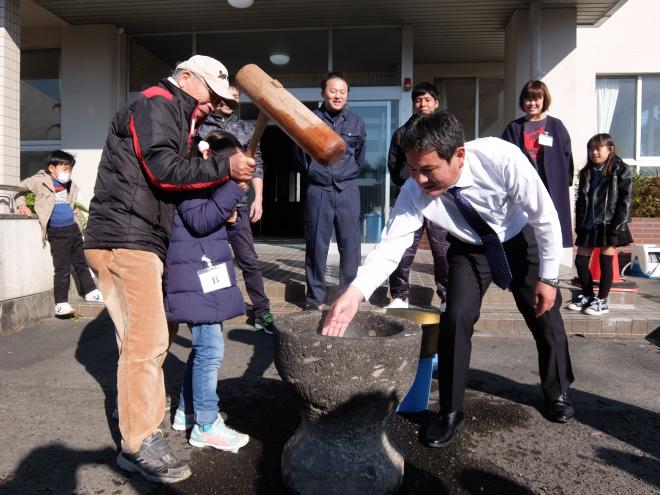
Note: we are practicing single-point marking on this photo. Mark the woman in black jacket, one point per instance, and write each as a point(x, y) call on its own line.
point(602, 213)
point(545, 142)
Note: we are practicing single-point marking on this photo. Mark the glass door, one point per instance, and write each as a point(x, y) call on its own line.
point(381, 119)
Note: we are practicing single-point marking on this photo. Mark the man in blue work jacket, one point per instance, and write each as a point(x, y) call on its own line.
point(333, 196)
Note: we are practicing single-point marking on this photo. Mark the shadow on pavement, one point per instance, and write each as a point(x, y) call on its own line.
point(97, 352)
point(268, 268)
point(54, 468)
point(627, 423)
point(262, 354)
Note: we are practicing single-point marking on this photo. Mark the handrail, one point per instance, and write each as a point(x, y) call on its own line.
point(13, 188)
point(10, 197)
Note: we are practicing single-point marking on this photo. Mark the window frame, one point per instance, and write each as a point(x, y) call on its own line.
point(477, 96)
point(638, 161)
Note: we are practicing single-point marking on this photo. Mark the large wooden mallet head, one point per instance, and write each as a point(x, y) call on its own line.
point(295, 119)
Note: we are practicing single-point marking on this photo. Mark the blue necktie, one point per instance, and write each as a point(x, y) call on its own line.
point(497, 261)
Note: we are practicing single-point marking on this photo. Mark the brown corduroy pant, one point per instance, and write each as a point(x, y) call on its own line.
point(131, 284)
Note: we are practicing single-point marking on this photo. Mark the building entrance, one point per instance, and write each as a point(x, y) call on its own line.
point(284, 187)
point(284, 192)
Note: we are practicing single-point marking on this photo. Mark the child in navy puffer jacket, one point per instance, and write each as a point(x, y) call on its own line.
point(200, 290)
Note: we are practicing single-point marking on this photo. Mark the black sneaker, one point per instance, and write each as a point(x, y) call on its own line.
point(155, 461)
point(316, 307)
point(264, 322)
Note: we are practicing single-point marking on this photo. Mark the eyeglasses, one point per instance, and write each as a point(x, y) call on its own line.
point(215, 99)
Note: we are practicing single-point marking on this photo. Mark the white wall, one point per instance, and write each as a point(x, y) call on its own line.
point(429, 72)
point(93, 82)
point(28, 269)
point(559, 69)
point(627, 44)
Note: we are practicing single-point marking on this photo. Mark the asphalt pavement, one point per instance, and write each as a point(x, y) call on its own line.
point(57, 390)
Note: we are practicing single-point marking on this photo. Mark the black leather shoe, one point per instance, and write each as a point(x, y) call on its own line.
point(561, 409)
point(442, 431)
point(311, 307)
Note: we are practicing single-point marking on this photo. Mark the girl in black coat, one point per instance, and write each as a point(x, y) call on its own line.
point(602, 213)
point(200, 290)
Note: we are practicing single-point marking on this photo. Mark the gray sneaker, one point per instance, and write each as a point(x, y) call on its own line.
point(155, 461)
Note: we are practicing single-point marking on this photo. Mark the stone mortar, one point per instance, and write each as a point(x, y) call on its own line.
point(346, 388)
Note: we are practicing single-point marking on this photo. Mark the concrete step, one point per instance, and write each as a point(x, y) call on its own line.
point(294, 292)
point(622, 321)
point(630, 315)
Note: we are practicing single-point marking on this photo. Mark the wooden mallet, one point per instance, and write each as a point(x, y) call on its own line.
point(295, 119)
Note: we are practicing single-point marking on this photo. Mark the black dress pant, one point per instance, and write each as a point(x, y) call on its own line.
point(469, 277)
point(242, 244)
point(66, 248)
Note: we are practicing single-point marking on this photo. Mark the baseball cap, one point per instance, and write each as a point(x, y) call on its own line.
point(215, 75)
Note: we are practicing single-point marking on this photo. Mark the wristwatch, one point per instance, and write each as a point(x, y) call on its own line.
point(552, 282)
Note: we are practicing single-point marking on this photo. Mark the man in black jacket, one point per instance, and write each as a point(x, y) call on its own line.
point(425, 100)
point(145, 163)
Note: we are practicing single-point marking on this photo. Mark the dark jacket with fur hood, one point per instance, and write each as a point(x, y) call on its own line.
point(611, 201)
point(199, 232)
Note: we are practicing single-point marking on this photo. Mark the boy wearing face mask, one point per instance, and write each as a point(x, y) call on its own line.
point(61, 223)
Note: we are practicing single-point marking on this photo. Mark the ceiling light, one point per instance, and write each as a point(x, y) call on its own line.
point(279, 58)
point(240, 4)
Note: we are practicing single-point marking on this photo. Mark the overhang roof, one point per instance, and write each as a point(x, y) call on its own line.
point(445, 30)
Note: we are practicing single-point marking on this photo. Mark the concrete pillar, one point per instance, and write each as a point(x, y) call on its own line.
point(407, 56)
point(10, 93)
point(516, 61)
point(89, 101)
point(556, 66)
point(535, 38)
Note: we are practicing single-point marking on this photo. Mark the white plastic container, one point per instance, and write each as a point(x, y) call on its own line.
point(645, 260)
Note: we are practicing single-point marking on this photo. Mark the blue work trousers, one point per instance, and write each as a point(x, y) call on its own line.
point(328, 208)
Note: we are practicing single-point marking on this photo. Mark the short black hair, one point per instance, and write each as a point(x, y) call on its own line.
point(425, 87)
point(440, 132)
point(220, 140)
point(59, 157)
point(334, 75)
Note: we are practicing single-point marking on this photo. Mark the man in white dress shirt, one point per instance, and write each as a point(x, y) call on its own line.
point(496, 180)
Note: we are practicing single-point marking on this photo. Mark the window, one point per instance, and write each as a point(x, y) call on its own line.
point(311, 52)
point(382, 67)
point(650, 117)
point(307, 51)
point(628, 108)
point(40, 107)
point(478, 103)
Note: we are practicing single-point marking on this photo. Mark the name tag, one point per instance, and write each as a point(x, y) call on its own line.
point(214, 278)
point(545, 139)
